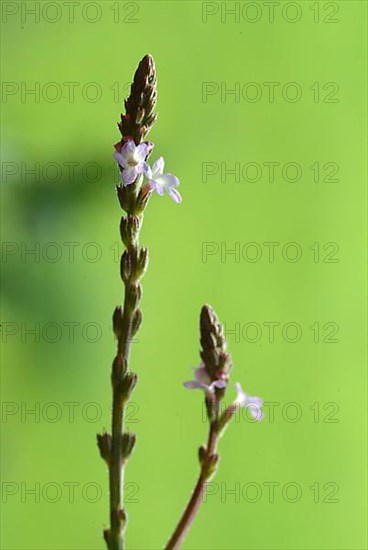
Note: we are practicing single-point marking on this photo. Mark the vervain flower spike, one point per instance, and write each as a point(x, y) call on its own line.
point(131, 154)
point(212, 376)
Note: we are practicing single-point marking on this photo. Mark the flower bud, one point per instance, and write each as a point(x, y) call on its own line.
point(143, 198)
point(139, 115)
point(119, 367)
point(107, 537)
point(123, 196)
point(142, 262)
point(127, 444)
point(129, 229)
point(117, 321)
point(126, 266)
point(128, 384)
point(136, 322)
point(202, 452)
point(124, 233)
point(104, 443)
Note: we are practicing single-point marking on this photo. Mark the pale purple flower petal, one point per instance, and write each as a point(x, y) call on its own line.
point(130, 174)
point(219, 384)
point(175, 195)
point(255, 411)
point(168, 180)
point(141, 152)
point(254, 404)
point(201, 375)
point(160, 190)
point(145, 169)
point(129, 147)
point(194, 385)
point(120, 159)
point(158, 167)
point(203, 381)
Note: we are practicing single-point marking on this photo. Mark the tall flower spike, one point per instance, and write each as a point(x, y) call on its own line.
point(131, 154)
point(139, 116)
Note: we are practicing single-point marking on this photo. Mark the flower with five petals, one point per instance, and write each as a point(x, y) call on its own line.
point(161, 182)
point(132, 159)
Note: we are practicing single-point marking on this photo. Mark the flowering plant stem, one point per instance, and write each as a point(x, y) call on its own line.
point(211, 377)
point(126, 321)
point(194, 503)
point(116, 448)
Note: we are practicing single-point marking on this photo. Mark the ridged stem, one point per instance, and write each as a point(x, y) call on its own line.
point(196, 499)
point(116, 448)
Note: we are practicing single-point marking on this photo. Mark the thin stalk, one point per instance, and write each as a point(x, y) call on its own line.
point(115, 538)
point(196, 499)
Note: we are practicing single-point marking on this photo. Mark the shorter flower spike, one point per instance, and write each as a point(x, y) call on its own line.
point(212, 377)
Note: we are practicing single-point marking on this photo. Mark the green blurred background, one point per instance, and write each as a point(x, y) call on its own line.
point(311, 449)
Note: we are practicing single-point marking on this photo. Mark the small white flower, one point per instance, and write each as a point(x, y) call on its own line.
point(203, 381)
point(132, 160)
point(161, 182)
point(254, 404)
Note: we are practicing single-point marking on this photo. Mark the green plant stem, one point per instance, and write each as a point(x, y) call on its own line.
point(121, 391)
point(196, 499)
point(116, 470)
point(116, 448)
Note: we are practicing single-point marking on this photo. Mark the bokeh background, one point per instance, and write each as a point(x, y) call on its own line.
point(310, 448)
